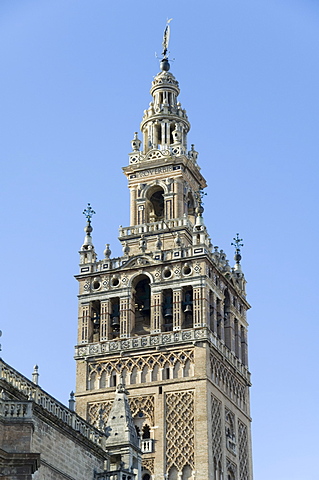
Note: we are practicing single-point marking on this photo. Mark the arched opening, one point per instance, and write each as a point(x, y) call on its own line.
point(187, 473)
point(187, 307)
point(219, 318)
point(227, 324)
point(168, 310)
point(142, 293)
point(211, 311)
point(215, 469)
point(230, 432)
point(115, 316)
point(173, 473)
point(230, 474)
point(155, 204)
point(95, 318)
point(237, 338)
point(146, 432)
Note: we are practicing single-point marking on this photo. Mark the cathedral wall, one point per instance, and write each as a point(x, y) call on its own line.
point(63, 455)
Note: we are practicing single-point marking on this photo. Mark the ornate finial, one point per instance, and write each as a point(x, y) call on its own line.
point(88, 212)
point(199, 195)
point(107, 252)
point(71, 401)
point(35, 375)
point(237, 244)
point(136, 143)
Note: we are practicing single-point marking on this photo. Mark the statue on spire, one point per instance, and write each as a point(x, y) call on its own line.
point(166, 38)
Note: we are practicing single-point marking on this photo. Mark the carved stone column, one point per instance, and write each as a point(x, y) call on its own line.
point(156, 312)
point(197, 307)
point(105, 328)
point(85, 328)
point(125, 316)
point(177, 309)
point(133, 213)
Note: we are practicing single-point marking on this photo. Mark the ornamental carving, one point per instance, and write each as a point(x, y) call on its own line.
point(228, 382)
point(99, 411)
point(216, 407)
point(243, 451)
point(141, 368)
point(148, 464)
point(180, 430)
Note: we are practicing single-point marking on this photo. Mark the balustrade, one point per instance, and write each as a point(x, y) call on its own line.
point(17, 409)
point(146, 445)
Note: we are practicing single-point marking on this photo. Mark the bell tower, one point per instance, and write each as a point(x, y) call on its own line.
point(168, 318)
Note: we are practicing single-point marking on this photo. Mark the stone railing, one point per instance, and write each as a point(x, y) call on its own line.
point(155, 227)
point(163, 339)
point(16, 409)
point(146, 445)
point(115, 475)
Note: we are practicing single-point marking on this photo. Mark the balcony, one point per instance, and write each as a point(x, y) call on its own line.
point(146, 445)
point(161, 225)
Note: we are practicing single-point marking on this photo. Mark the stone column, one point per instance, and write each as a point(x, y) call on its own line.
point(179, 203)
point(177, 309)
point(125, 316)
point(105, 327)
point(133, 213)
point(163, 133)
point(205, 307)
point(197, 304)
point(169, 206)
point(156, 312)
point(85, 327)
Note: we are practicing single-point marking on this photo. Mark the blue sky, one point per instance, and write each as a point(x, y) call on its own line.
point(75, 79)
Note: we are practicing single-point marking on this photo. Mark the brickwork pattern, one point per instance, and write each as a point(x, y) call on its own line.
point(99, 411)
point(228, 382)
point(180, 438)
point(216, 408)
point(243, 451)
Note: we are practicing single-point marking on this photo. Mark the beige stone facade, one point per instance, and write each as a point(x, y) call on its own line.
point(168, 318)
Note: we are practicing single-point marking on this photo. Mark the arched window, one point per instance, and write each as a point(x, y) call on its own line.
point(95, 318)
point(219, 318)
point(155, 204)
point(211, 311)
point(168, 309)
point(146, 432)
point(187, 307)
point(227, 325)
point(142, 305)
point(115, 316)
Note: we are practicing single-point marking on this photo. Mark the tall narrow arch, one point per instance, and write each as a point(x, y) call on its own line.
point(142, 304)
point(155, 204)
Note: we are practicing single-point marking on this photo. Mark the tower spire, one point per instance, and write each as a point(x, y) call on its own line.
point(87, 250)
